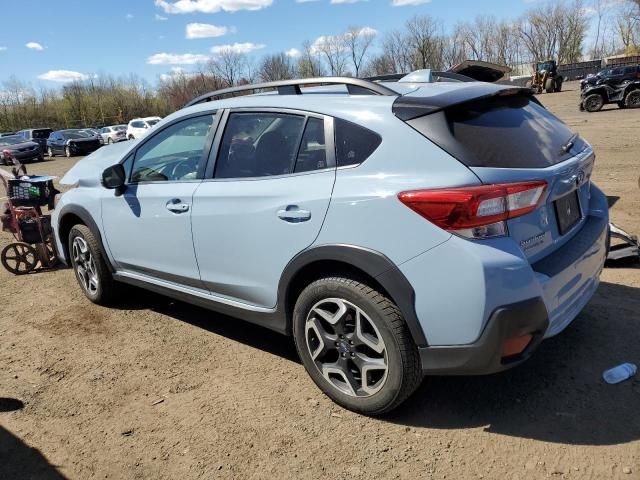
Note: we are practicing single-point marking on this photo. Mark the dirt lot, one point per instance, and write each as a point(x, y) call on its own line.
point(158, 389)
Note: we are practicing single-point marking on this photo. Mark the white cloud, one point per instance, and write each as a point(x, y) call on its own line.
point(246, 47)
point(176, 72)
point(306, 1)
point(205, 30)
point(34, 46)
point(176, 59)
point(159, 18)
point(128, 17)
point(408, 3)
point(63, 76)
point(2, 49)
point(211, 6)
point(292, 52)
point(338, 2)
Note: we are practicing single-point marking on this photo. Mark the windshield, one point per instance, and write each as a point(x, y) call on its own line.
point(119, 128)
point(76, 135)
point(11, 140)
point(151, 123)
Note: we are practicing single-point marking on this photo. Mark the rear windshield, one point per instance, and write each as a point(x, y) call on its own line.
point(502, 132)
point(42, 133)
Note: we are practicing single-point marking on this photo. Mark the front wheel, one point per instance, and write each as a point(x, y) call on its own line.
point(355, 345)
point(593, 102)
point(632, 100)
point(49, 152)
point(67, 152)
point(109, 141)
point(90, 266)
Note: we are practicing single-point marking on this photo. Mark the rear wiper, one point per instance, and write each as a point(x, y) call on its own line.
point(569, 145)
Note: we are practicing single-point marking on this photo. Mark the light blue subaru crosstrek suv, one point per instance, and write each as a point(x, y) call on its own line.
point(394, 229)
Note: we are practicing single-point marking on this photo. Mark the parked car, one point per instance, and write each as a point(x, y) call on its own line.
point(16, 147)
point(139, 127)
point(72, 142)
point(113, 134)
point(625, 95)
point(38, 135)
point(420, 229)
point(612, 76)
point(94, 132)
point(6, 134)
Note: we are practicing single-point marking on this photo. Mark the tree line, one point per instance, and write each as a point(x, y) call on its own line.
point(554, 30)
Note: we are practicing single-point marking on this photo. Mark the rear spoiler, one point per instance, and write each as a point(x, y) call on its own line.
point(408, 107)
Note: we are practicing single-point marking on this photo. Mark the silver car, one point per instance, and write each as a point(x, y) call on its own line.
point(113, 134)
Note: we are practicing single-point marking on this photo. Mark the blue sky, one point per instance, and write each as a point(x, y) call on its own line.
point(45, 42)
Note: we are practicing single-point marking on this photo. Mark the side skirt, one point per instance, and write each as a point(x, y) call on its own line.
point(272, 319)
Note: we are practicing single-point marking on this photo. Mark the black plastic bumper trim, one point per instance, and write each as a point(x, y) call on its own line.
point(485, 354)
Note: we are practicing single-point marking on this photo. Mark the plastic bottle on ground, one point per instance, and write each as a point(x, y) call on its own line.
point(620, 373)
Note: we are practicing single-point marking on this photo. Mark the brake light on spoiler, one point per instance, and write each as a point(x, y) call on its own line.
point(477, 211)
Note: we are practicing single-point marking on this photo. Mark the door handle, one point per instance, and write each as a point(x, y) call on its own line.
point(293, 214)
point(176, 206)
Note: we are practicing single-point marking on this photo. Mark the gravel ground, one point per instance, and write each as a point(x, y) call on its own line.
point(159, 389)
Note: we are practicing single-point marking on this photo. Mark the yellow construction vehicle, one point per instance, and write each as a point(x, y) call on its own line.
point(545, 77)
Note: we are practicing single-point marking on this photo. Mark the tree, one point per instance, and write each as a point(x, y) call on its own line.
point(309, 65)
point(276, 67)
point(332, 49)
point(427, 43)
point(357, 41)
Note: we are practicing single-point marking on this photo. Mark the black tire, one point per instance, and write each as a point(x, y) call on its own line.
point(67, 152)
point(549, 85)
point(621, 105)
point(593, 102)
point(403, 370)
point(131, 137)
point(109, 140)
point(559, 82)
point(105, 286)
point(41, 158)
point(632, 100)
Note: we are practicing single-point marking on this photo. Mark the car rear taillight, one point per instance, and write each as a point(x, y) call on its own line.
point(476, 211)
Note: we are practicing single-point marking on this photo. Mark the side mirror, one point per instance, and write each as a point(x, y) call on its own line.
point(114, 177)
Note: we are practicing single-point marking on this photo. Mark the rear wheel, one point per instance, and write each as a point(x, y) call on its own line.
point(90, 266)
point(559, 84)
point(593, 102)
point(109, 141)
point(355, 345)
point(632, 100)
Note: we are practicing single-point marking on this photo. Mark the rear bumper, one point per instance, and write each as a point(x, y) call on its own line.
point(485, 355)
point(469, 296)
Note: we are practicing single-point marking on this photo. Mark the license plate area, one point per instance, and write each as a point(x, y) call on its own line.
point(568, 212)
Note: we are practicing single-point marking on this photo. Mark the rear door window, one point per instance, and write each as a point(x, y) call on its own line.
point(502, 132)
point(259, 144)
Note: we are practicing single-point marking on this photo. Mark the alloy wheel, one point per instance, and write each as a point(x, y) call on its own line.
point(85, 266)
point(346, 347)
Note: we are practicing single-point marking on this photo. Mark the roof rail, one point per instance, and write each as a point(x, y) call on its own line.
point(394, 77)
point(355, 86)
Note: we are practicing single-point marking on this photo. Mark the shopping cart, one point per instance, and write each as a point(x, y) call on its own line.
point(21, 215)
